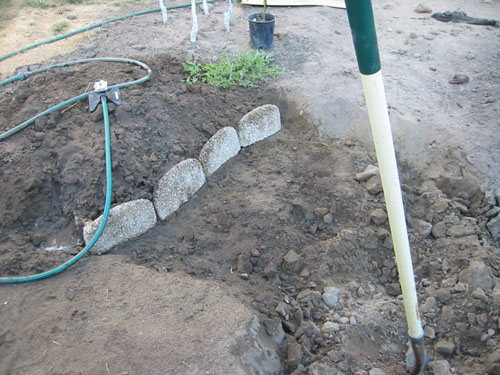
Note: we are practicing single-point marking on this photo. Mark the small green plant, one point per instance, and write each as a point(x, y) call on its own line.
point(262, 15)
point(127, 3)
point(5, 17)
point(244, 70)
point(59, 27)
point(42, 4)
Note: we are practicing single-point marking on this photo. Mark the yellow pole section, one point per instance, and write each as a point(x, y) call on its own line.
point(384, 147)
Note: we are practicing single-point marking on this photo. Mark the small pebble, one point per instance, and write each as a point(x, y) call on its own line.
point(459, 79)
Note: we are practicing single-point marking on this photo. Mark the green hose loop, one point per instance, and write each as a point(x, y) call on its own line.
point(107, 204)
point(97, 25)
point(81, 96)
point(22, 76)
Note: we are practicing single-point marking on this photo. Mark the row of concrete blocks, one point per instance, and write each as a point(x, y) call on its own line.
point(179, 184)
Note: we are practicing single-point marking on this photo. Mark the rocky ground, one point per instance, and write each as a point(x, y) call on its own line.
point(292, 230)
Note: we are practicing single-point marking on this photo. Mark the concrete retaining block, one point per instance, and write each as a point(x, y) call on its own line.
point(220, 148)
point(259, 124)
point(125, 221)
point(177, 186)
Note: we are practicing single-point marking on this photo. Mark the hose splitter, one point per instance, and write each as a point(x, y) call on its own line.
point(101, 91)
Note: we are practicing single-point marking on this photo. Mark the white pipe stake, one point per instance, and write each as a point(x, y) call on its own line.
point(227, 16)
point(164, 13)
point(194, 28)
point(384, 147)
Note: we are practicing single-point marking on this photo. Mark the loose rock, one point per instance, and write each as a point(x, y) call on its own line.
point(378, 216)
point(422, 8)
point(270, 271)
point(329, 327)
point(460, 231)
point(421, 228)
point(441, 367)
point(445, 348)
point(344, 320)
point(293, 262)
point(328, 218)
point(443, 295)
point(477, 275)
point(294, 355)
point(429, 332)
point(368, 173)
point(275, 330)
point(478, 293)
point(494, 228)
point(459, 79)
point(321, 211)
point(374, 185)
point(331, 296)
point(492, 365)
point(393, 289)
point(308, 295)
point(429, 304)
point(244, 265)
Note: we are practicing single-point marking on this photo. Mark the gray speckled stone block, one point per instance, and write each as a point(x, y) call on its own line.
point(220, 148)
point(259, 124)
point(177, 186)
point(125, 221)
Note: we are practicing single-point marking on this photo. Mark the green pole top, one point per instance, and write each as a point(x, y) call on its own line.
point(360, 14)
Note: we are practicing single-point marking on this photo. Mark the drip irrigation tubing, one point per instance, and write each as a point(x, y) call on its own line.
point(107, 141)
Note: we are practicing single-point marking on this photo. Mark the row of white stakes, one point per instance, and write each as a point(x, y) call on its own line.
point(194, 28)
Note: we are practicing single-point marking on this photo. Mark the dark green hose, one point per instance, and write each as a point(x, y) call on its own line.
point(76, 98)
point(22, 76)
point(95, 26)
point(107, 204)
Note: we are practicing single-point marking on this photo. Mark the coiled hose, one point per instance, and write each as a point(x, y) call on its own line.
point(3, 136)
point(107, 138)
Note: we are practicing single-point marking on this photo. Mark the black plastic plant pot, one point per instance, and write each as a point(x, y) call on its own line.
point(261, 30)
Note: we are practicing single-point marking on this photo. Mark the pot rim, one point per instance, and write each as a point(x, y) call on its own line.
point(269, 18)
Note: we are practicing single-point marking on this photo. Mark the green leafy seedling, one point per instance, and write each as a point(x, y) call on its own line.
point(42, 4)
point(245, 70)
point(59, 27)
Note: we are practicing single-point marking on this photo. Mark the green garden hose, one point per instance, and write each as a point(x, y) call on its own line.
point(97, 25)
point(107, 204)
point(22, 76)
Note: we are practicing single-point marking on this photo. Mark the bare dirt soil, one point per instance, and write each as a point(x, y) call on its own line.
point(295, 192)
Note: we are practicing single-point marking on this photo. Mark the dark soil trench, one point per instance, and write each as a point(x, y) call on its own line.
point(292, 191)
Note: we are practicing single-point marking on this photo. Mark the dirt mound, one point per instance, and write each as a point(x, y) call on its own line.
point(284, 226)
point(59, 160)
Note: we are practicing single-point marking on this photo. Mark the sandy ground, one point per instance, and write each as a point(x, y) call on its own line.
point(295, 191)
